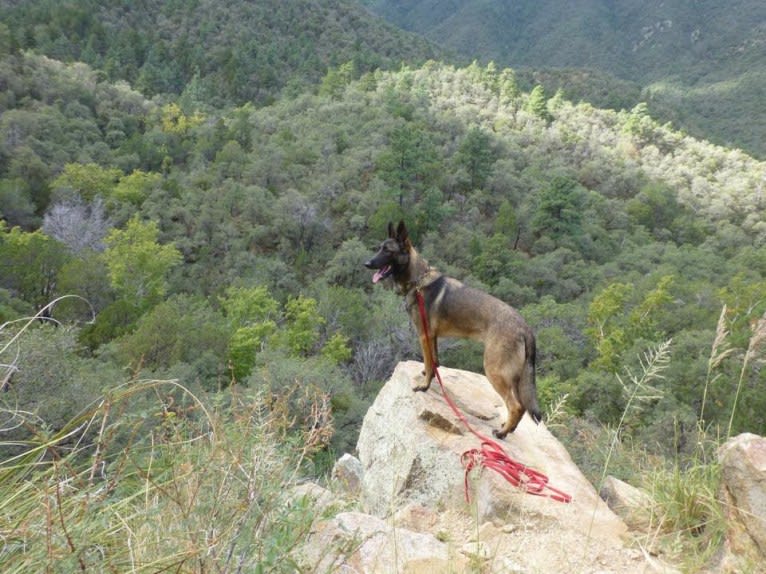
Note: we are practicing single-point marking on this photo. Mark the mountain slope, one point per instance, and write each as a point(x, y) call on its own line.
point(641, 40)
point(703, 64)
point(220, 51)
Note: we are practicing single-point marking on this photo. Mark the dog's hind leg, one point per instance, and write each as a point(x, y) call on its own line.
point(505, 380)
point(515, 412)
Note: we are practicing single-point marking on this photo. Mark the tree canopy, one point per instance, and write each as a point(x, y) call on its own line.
point(219, 242)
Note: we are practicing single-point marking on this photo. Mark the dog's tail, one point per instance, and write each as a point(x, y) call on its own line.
point(528, 387)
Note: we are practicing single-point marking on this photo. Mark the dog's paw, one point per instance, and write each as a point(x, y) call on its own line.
point(420, 388)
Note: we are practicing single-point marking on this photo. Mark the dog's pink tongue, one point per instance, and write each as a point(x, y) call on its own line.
point(381, 273)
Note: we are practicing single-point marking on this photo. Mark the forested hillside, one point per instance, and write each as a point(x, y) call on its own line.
point(611, 232)
point(220, 247)
point(213, 52)
point(700, 64)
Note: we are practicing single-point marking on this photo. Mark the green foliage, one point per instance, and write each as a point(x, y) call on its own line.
point(258, 322)
point(609, 230)
point(655, 207)
point(245, 344)
point(247, 305)
point(506, 222)
point(640, 124)
point(252, 314)
point(613, 329)
point(337, 349)
point(137, 264)
point(589, 51)
point(114, 320)
point(476, 156)
point(336, 80)
point(508, 86)
point(85, 275)
point(296, 44)
point(559, 211)
point(344, 268)
point(643, 318)
point(687, 507)
point(16, 205)
point(29, 264)
point(409, 164)
point(302, 384)
point(5, 41)
point(181, 329)
point(88, 180)
point(13, 308)
point(562, 348)
point(745, 303)
point(496, 259)
point(173, 120)
point(268, 213)
point(50, 384)
point(303, 320)
point(537, 104)
point(135, 187)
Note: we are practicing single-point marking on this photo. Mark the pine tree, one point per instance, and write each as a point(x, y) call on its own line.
point(537, 104)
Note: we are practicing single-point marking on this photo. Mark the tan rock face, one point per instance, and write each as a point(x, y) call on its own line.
point(357, 542)
point(412, 515)
point(347, 474)
point(411, 445)
point(743, 474)
point(634, 506)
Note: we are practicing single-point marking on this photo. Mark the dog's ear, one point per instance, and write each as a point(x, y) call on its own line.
point(403, 236)
point(391, 232)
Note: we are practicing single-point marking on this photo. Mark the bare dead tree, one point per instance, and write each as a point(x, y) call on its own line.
point(78, 224)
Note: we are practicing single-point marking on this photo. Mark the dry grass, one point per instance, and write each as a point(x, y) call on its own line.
point(181, 487)
point(688, 522)
point(757, 338)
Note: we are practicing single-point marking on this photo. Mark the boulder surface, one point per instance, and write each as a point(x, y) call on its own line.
point(743, 493)
point(410, 447)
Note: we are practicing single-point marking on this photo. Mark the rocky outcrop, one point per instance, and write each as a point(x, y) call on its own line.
point(358, 542)
point(408, 509)
point(743, 493)
point(411, 444)
point(410, 448)
point(631, 504)
point(347, 475)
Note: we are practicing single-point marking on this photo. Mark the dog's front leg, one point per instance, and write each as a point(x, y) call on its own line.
point(430, 361)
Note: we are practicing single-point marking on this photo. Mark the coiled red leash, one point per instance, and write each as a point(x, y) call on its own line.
point(491, 454)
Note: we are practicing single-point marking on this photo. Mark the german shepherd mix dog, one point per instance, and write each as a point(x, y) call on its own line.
point(455, 310)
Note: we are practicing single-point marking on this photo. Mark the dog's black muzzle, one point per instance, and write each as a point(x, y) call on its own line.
point(382, 263)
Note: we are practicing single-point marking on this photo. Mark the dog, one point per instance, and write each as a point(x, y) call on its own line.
point(453, 309)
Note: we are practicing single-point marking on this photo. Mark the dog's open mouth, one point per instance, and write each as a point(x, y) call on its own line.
point(382, 273)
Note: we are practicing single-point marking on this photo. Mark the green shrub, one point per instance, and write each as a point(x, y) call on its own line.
point(183, 328)
point(51, 383)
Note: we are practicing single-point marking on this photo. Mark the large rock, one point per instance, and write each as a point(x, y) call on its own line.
point(631, 504)
point(410, 447)
point(743, 490)
point(357, 542)
point(347, 475)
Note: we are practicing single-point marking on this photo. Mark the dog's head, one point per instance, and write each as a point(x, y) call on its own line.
point(393, 256)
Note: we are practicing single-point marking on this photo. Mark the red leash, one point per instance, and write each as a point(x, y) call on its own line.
point(491, 454)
